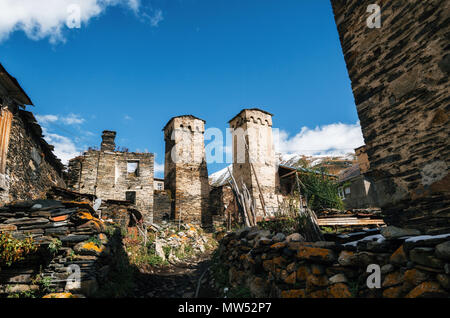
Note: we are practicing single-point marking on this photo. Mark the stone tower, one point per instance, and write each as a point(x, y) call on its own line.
point(185, 170)
point(252, 142)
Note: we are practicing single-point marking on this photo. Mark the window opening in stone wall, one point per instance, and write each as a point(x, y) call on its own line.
point(133, 168)
point(130, 196)
point(347, 190)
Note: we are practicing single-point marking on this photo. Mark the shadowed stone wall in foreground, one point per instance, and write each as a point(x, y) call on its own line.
point(399, 74)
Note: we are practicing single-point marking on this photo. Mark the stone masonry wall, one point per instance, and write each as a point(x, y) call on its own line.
point(104, 173)
point(399, 76)
point(275, 265)
point(186, 172)
point(161, 205)
point(31, 171)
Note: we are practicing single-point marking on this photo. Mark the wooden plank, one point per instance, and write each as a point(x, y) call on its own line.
point(350, 221)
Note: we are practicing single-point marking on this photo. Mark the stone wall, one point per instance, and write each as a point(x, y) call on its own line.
point(105, 174)
point(255, 126)
point(82, 240)
point(31, 167)
point(399, 75)
point(185, 171)
point(275, 265)
point(161, 205)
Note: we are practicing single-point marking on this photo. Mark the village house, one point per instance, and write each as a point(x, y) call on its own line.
point(115, 175)
point(356, 190)
point(28, 166)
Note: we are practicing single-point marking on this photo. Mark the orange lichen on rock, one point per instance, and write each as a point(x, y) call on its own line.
point(398, 257)
point(290, 279)
point(392, 292)
point(339, 290)
point(393, 279)
point(427, 289)
point(323, 293)
point(91, 247)
point(315, 253)
point(59, 295)
point(278, 245)
point(293, 293)
point(302, 272)
point(279, 261)
point(414, 277)
point(315, 280)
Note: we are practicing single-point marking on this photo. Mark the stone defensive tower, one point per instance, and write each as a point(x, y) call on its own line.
point(253, 143)
point(400, 81)
point(185, 170)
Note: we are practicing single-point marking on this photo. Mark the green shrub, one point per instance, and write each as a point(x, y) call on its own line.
point(13, 250)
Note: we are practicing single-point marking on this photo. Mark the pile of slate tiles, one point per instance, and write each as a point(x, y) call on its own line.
point(71, 224)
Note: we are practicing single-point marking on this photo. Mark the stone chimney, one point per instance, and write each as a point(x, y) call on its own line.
point(108, 143)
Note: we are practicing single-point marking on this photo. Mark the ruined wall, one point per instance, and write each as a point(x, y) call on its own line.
point(256, 125)
point(399, 76)
point(185, 171)
point(105, 174)
point(30, 166)
point(161, 205)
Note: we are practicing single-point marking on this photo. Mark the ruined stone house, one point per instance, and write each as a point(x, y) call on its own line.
point(185, 170)
point(115, 175)
point(28, 166)
point(399, 75)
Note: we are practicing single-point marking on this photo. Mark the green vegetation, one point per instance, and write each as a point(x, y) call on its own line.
point(286, 225)
point(13, 250)
point(54, 246)
point(95, 240)
point(320, 190)
point(44, 286)
point(239, 292)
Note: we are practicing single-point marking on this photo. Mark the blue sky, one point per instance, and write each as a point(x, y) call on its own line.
point(132, 65)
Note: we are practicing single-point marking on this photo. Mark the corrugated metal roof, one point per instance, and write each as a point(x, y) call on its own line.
point(307, 170)
point(349, 173)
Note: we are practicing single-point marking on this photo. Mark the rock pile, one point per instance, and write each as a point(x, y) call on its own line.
point(273, 265)
point(70, 239)
point(178, 236)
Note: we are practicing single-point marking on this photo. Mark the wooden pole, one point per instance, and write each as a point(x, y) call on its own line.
point(261, 197)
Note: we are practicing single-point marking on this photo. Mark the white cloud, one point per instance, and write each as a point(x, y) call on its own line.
point(41, 19)
point(334, 140)
point(44, 119)
point(156, 18)
point(70, 119)
point(126, 117)
point(159, 169)
point(65, 148)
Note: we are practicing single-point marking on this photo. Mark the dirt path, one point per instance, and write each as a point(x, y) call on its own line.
point(176, 281)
